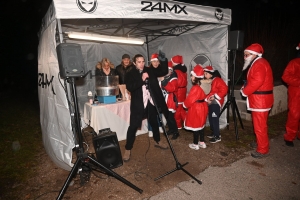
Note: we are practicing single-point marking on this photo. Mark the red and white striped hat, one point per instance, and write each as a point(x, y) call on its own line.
point(198, 71)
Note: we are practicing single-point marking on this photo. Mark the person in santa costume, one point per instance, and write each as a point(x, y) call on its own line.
point(215, 100)
point(291, 76)
point(197, 109)
point(259, 92)
point(169, 87)
point(180, 69)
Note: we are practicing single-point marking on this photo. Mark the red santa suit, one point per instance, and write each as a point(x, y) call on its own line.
point(291, 76)
point(180, 69)
point(259, 93)
point(169, 87)
point(197, 108)
point(219, 90)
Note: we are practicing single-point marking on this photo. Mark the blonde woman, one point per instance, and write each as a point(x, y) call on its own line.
point(105, 68)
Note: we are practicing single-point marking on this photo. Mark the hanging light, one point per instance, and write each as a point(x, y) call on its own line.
point(104, 38)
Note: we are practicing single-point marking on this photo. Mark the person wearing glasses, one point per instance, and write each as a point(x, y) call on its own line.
point(258, 89)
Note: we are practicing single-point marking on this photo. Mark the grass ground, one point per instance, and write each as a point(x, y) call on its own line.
point(19, 123)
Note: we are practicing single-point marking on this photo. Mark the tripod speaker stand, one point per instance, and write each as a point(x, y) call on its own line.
point(178, 165)
point(231, 101)
point(83, 157)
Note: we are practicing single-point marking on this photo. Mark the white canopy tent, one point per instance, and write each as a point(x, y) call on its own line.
point(198, 33)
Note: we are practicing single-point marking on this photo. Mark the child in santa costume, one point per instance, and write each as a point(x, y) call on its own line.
point(259, 92)
point(291, 76)
point(169, 87)
point(215, 100)
point(180, 69)
point(197, 109)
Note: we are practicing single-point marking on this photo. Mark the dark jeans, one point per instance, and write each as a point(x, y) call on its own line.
point(213, 118)
point(151, 114)
point(196, 135)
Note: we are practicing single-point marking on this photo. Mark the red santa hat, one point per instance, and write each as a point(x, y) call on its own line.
point(209, 69)
point(198, 71)
point(177, 60)
point(154, 57)
point(255, 49)
point(298, 47)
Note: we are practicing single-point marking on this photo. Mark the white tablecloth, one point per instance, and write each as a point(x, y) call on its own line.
point(115, 116)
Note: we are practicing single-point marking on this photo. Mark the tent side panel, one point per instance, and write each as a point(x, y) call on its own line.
point(54, 113)
point(208, 47)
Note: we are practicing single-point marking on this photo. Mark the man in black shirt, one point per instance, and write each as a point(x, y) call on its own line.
point(125, 66)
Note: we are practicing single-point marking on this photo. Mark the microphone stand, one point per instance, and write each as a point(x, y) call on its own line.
point(178, 165)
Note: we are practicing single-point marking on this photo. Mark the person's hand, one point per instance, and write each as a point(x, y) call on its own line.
point(145, 75)
point(211, 98)
point(161, 56)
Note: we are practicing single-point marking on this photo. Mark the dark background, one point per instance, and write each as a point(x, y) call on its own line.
point(274, 24)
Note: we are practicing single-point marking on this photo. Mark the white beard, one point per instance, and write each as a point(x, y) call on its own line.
point(247, 62)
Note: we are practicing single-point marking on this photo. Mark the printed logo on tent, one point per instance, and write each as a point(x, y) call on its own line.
point(163, 7)
point(200, 59)
point(219, 14)
point(87, 6)
point(45, 83)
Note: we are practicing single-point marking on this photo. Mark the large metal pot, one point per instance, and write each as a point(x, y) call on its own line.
point(107, 85)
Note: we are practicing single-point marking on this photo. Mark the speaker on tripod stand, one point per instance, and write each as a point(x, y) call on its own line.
point(70, 62)
point(235, 43)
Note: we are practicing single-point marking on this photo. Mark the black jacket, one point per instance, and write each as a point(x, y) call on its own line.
point(121, 72)
point(100, 72)
point(134, 85)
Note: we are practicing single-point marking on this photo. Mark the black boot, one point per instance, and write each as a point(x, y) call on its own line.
point(175, 136)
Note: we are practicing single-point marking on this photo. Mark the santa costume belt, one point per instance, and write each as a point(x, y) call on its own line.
point(263, 92)
point(200, 101)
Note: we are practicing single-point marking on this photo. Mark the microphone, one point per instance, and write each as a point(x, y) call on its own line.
point(147, 83)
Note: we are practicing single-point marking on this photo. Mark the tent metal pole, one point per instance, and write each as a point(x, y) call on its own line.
point(60, 31)
point(147, 48)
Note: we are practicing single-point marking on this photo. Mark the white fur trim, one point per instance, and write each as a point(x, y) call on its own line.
point(253, 52)
point(217, 96)
point(297, 47)
point(194, 74)
point(193, 129)
point(153, 59)
point(174, 63)
point(243, 93)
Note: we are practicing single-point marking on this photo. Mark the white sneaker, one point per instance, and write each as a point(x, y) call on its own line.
point(202, 145)
point(161, 130)
point(150, 133)
point(194, 146)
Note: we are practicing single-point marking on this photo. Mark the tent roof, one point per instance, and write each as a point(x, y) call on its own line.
point(153, 28)
point(132, 18)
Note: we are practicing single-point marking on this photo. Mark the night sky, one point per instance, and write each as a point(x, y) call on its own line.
point(21, 19)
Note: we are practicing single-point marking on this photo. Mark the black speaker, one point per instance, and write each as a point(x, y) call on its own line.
point(70, 60)
point(108, 150)
point(236, 40)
